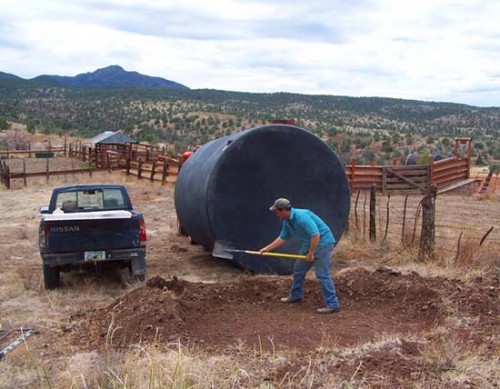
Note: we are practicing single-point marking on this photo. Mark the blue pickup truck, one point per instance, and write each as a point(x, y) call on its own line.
point(91, 226)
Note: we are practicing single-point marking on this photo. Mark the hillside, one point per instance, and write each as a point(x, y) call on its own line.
point(364, 128)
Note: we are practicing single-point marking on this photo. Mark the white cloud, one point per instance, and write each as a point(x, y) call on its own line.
point(440, 50)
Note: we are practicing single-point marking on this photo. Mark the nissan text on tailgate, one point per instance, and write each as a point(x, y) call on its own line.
point(91, 226)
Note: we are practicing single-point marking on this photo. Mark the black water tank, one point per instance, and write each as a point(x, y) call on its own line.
point(224, 190)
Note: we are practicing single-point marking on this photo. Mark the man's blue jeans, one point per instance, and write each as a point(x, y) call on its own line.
point(322, 262)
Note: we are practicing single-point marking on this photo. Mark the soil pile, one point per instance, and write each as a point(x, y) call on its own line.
point(217, 316)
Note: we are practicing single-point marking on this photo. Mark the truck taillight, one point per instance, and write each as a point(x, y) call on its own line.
point(142, 231)
point(42, 237)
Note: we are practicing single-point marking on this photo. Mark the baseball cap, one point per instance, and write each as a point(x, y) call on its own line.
point(281, 203)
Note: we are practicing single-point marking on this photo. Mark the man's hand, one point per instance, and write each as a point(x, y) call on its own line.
point(271, 246)
point(312, 248)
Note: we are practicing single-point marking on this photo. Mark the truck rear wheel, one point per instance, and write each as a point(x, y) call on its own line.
point(51, 277)
point(137, 269)
point(140, 278)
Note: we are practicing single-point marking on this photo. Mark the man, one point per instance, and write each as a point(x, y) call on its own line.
point(317, 244)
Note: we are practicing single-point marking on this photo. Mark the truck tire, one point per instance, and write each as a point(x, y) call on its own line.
point(51, 277)
point(140, 278)
point(130, 278)
point(137, 269)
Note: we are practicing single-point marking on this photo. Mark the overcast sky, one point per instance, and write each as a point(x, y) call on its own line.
point(433, 50)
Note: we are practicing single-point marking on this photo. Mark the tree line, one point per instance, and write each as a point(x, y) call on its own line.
point(364, 129)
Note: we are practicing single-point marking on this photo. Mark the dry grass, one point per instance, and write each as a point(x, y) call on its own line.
point(154, 366)
point(455, 362)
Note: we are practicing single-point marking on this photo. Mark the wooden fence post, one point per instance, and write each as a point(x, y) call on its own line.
point(428, 234)
point(3, 165)
point(24, 171)
point(139, 168)
point(47, 170)
point(7, 176)
point(373, 202)
point(127, 165)
point(130, 151)
point(108, 163)
point(153, 168)
point(164, 172)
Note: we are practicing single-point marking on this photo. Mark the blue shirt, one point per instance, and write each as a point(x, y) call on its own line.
point(303, 225)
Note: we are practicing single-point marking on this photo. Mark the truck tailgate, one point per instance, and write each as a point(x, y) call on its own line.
point(106, 230)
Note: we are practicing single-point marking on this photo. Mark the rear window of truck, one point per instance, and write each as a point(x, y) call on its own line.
point(90, 200)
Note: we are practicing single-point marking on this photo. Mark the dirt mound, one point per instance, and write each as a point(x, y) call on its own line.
point(248, 312)
point(174, 285)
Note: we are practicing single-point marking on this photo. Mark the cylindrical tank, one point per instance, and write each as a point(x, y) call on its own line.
point(224, 190)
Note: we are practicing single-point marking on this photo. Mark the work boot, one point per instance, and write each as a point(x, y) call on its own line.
point(290, 300)
point(328, 310)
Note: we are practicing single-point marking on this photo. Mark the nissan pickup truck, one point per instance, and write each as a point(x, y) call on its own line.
point(91, 226)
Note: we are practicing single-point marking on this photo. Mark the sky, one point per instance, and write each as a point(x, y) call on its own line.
point(430, 50)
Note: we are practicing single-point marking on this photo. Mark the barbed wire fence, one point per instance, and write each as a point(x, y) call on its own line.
point(465, 228)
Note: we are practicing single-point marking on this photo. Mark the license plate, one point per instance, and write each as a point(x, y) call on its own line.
point(94, 255)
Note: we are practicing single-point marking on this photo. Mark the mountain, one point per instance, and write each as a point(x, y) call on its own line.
point(108, 77)
point(8, 76)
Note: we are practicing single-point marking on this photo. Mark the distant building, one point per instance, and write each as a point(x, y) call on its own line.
point(112, 141)
point(110, 137)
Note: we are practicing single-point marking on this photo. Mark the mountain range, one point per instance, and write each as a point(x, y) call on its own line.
point(109, 77)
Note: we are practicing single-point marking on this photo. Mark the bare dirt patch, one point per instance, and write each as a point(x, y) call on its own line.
point(248, 311)
point(245, 317)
